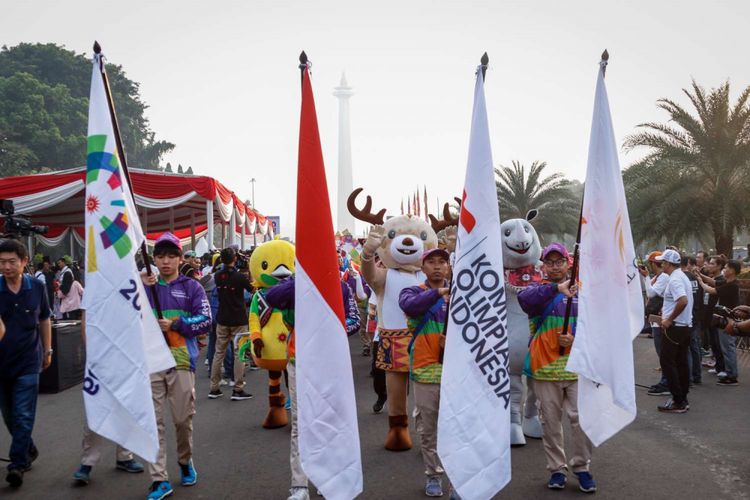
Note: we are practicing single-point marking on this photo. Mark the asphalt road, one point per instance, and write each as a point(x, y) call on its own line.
point(702, 454)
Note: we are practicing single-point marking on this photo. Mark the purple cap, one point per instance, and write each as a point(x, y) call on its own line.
point(168, 238)
point(437, 251)
point(555, 247)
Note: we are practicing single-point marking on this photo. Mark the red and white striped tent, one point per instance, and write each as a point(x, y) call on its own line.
point(187, 205)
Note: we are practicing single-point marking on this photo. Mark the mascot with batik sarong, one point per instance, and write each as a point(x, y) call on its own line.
point(270, 263)
point(399, 242)
point(521, 253)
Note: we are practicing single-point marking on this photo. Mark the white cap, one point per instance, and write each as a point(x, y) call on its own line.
point(671, 256)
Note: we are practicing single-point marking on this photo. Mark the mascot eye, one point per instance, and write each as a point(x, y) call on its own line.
point(392, 234)
point(264, 265)
point(423, 235)
point(507, 232)
point(526, 228)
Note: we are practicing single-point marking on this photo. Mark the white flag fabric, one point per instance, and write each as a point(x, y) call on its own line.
point(326, 408)
point(474, 418)
point(123, 340)
point(610, 305)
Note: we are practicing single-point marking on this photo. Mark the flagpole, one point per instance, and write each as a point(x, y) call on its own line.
point(576, 251)
point(124, 165)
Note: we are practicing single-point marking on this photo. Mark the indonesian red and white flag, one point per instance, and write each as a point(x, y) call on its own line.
point(327, 411)
point(474, 419)
point(610, 305)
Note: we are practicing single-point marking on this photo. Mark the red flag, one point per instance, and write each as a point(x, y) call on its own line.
point(328, 430)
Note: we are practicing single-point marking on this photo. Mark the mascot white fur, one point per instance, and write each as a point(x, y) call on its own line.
point(521, 252)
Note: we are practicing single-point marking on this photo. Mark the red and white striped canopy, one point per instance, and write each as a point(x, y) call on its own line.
point(165, 202)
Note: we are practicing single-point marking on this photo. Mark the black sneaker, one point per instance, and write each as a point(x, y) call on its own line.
point(672, 407)
point(215, 394)
point(378, 406)
point(658, 390)
point(727, 381)
point(14, 477)
point(241, 395)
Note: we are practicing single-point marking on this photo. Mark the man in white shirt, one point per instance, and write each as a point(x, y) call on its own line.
point(655, 292)
point(676, 322)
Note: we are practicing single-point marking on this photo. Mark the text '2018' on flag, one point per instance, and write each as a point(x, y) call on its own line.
point(474, 418)
point(610, 304)
point(326, 408)
point(124, 343)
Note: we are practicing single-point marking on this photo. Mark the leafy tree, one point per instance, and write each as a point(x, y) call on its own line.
point(44, 91)
point(557, 199)
point(695, 176)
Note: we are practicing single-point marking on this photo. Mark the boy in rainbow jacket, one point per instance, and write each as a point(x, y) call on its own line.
point(426, 306)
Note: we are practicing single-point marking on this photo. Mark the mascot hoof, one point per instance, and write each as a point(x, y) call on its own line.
point(516, 435)
point(398, 438)
point(532, 427)
point(277, 415)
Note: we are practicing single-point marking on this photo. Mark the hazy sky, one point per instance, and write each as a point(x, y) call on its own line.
point(222, 82)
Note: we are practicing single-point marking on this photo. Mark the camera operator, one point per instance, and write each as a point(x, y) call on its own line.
point(25, 351)
point(728, 292)
point(738, 325)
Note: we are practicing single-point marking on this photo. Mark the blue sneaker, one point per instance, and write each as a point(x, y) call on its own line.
point(83, 475)
point(586, 482)
point(130, 466)
point(288, 404)
point(159, 490)
point(188, 476)
point(557, 481)
point(434, 487)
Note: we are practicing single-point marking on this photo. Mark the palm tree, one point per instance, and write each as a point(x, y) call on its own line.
point(695, 177)
point(557, 199)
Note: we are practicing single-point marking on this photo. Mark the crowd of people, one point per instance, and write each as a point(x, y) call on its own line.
point(693, 313)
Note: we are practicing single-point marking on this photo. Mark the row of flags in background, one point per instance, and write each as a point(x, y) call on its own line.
point(418, 206)
point(474, 419)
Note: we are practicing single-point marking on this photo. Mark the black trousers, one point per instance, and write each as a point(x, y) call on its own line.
point(673, 359)
point(378, 374)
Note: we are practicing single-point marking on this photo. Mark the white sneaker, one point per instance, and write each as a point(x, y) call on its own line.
point(721, 374)
point(712, 370)
point(224, 382)
point(299, 493)
point(206, 362)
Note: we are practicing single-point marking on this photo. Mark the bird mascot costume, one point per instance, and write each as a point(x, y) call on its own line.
point(270, 263)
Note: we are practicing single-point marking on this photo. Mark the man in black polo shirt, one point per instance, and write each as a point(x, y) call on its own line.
point(231, 319)
point(25, 350)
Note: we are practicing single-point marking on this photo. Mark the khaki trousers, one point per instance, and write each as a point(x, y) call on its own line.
point(225, 335)
point(177, 388)
point(92, 448)
point(554, 398)
point(299, 478)
point(427, 400)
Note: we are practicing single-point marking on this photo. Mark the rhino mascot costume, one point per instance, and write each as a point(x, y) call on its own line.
point(521, 253)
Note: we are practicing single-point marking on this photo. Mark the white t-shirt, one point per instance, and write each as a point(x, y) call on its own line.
point(373, 301)
point(678, 286)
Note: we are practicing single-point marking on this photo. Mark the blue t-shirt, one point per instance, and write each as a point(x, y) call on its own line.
point(21, 348)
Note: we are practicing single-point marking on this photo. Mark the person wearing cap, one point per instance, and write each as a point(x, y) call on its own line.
point(677, 322)
point(426, 306)
point(231, 320)
point(556, 388)
point(191, 266)
point(187, 315)
point(655, 292)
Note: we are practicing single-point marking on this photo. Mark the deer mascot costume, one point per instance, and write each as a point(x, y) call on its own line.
point(521, 252)
point(399, 242)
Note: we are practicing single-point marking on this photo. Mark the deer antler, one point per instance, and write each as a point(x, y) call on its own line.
point(366, 213)
point(447, 220)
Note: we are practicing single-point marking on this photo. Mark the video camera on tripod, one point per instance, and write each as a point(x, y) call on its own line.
point(18, 225)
